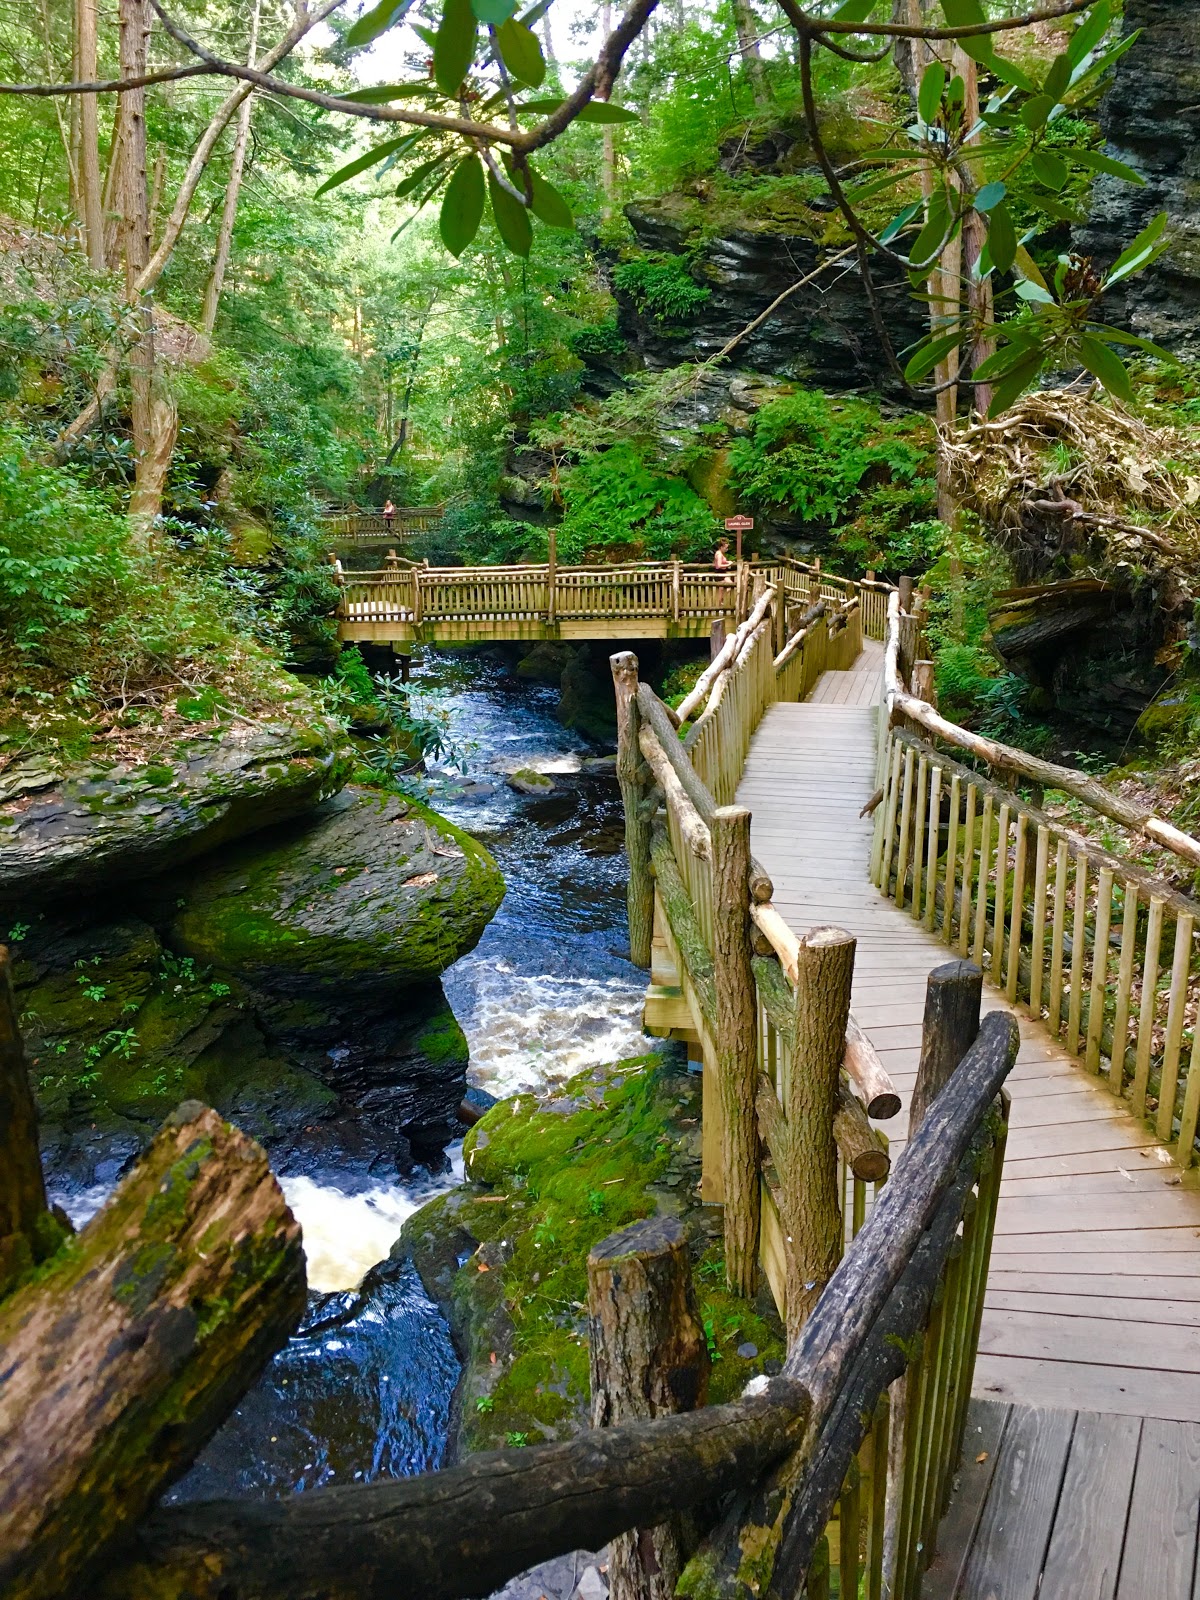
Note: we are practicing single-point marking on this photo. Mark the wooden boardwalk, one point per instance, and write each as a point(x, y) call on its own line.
point(1093, 1308)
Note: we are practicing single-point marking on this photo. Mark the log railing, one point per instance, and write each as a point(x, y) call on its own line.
point(372, 526)
point(1100, 949)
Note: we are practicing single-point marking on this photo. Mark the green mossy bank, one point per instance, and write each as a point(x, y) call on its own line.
point(505, 1255)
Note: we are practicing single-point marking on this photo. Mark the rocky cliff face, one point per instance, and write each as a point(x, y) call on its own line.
point(1151, 118)
point(822, 334)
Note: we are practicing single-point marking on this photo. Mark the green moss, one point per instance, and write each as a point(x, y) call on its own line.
point(618, 1144)
point(442, 1040)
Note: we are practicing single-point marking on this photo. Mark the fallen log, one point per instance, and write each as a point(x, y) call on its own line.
point(460, 1533)
point(132, 1345)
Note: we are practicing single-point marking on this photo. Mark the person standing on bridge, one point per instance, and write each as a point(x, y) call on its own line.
point(389, 515)
point(721, 562)
point(337, 571)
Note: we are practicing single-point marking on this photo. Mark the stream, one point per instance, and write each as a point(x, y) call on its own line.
point(365, 1388)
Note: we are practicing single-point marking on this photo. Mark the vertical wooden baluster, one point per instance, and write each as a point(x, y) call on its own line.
point(1000, 915)
point(1145, 1035)
point(1173, 1043)
point(905, 819)
point(950, 892)
point(934, 828)
point(920, 808)
point(968, 866)
point(1185, 1149)
point(1116, 1070)
point(1016, 921)
point(1078, 943)
point(849, 1526)
point(985, 870)
point(1058, 934)
point(1038, 941)
point(889, 823)
point(1100, 961)
point(877, 1524)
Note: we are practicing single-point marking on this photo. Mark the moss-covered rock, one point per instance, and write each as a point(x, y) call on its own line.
point(505, 1257)
point(64, 830)
point(370, 890)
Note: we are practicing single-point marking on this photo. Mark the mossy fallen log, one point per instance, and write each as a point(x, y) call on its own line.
point(130, 1346)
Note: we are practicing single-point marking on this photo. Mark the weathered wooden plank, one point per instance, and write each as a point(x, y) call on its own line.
point(1160, 1543)
point(1084, 1558)
point(986, 1421)
point(1006, 1556)
point(1121, 1390)
point(1150, 1311)
point(1052, 1337)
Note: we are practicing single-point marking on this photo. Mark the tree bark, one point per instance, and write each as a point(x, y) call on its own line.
point(746, 24)
point(28, 1232)
point(737, 1056)
point(863, 1148)
point(953, 997)
point(608, 148)
point(146, 418)
point(810, 1102)
point(649, 1358)
point(131, 1347)
point(90, 210)
point(640, 891)
point(216, 282)
point(463, 1532)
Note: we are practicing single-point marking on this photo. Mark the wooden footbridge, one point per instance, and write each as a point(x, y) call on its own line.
point(408, 601)
point(1080, 1467)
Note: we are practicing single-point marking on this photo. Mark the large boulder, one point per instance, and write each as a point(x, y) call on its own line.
point(369, 893)
point(67, 830)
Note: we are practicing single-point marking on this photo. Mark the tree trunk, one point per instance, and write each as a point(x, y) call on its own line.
point(640, 891)
point(649, 1358)
point(746, 24)
point(90, 209)
point(608, 155)
point(212, 294)
point(737, 1059)
point(132, 1346)
point(28, 1232)
point(810, 1101)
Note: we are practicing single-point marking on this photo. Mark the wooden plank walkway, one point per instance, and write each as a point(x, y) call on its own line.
point(1094, 1292)
point(1070, 1505)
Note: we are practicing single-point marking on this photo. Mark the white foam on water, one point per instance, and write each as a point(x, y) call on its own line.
point(529, 1031)
point(345, 1235)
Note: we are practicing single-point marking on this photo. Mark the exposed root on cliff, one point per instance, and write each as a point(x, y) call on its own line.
point(1065, 473)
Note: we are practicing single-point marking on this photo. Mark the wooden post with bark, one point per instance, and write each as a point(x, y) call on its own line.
point(737, 1057)
point(640, 892)
point(28, 1232)
point(953, 997)
point(649, 1358)
point(825, 963)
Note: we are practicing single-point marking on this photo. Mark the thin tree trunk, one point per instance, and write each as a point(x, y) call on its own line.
point(746, 24)
point(110, 189)
point(149, 425)
point(608, 157)
point(212, 294)
point(980, 302)
point(90, 209)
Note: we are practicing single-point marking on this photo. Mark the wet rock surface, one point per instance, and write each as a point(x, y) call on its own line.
point(1151, 118)
point(64, 830)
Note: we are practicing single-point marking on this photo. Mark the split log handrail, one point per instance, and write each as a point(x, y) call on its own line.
point(807, 1446)
point(1097, 946)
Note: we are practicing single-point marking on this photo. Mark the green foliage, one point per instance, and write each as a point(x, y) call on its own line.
point(837, 462)
point(662, 287)
point(616, 504)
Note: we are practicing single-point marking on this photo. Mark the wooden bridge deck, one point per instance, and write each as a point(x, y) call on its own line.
point(1094, 1292)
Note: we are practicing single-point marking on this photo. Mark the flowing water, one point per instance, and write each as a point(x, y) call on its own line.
point(365, 1388)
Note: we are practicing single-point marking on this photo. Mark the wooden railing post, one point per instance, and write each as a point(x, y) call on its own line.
point(810, 1098)
point(953, 998)
point(640, 892)
point(649, 1358)
point(737, 1056)
point(675, 590)
point(551, 574)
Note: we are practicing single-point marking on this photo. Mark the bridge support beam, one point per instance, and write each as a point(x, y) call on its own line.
point(640, 892)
